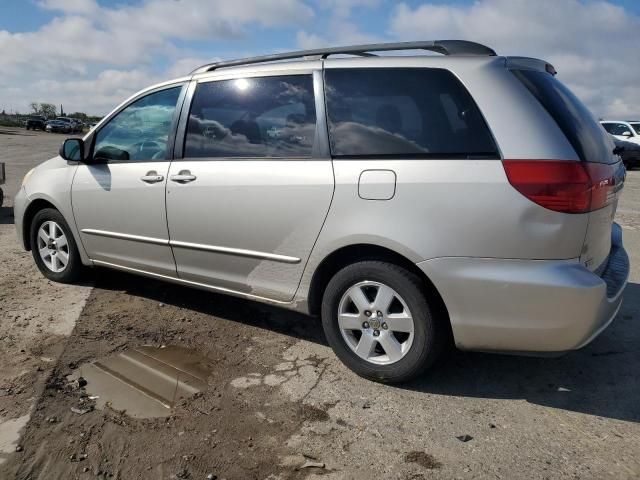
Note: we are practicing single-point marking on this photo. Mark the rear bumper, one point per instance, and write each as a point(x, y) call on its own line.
point(529, 306)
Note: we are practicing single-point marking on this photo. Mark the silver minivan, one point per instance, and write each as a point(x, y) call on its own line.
point(395, 196)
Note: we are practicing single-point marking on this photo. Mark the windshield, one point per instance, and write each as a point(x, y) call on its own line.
point(636, 127)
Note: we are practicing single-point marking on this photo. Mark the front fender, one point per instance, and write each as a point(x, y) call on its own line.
point(50, 185)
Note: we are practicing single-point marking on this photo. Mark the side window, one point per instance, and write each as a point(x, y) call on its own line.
point(140, 131)
point(620, 128)
point(609, 127)
point(252, 117)
point(403, 111)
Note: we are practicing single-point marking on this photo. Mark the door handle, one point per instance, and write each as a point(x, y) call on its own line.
point(184, 176)
point(152, 177)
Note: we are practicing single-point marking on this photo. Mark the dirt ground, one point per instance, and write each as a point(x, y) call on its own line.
point(36, 316)
point(278, 404)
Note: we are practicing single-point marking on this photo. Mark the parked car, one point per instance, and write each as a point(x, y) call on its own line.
point(629, 152)
point(386, 194)
point(623, 130)
point(74, 125)
point(35, 122)
point(59, 125)
point(78, 126)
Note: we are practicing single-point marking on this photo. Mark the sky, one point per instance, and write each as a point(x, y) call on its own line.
point(89, 55)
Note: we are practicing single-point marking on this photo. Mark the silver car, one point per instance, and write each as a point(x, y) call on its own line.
point(395, 196)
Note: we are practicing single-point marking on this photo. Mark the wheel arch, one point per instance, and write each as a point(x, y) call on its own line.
point(32, 209)
point(350, 254)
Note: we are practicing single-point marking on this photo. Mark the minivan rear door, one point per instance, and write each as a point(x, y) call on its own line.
point(594, 146)
point(249, 191)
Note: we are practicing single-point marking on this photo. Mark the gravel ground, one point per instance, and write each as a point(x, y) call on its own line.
point(279, 405)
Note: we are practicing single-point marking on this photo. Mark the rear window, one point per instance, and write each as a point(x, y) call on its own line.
point(404, 112)
point(585, 134)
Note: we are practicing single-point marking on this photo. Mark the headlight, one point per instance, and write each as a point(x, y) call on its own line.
point(26, 177)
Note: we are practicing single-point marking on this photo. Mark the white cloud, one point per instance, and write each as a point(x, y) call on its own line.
point(340, 33)
point(71, 6)
point(186, 65)
point(343, 8)
point(91, 56)
point(340, 28)
point(593, 44)
point(85, 38)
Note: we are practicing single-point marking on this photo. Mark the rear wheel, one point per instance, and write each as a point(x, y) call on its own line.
point(53, 247)
point(377, 319)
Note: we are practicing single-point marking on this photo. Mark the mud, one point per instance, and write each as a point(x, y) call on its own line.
point(146, 381)
point(423, 459)
point(35, 317)
point(222, 430)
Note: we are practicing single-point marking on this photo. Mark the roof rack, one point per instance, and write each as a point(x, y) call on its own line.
point(445, 47)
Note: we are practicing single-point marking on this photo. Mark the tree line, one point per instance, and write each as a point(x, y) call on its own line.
point(49, 110)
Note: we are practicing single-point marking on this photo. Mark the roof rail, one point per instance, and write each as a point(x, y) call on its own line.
point(446, 47)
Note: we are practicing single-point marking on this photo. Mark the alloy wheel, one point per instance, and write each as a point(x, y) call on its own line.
point(375, 322)
point(53, 246)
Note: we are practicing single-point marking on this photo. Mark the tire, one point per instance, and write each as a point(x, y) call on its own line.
point(27, 128)
point(419, 349)
point(52, 266)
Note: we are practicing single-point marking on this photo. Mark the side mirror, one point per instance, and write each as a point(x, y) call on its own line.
point(627, 134)
point(72, 149)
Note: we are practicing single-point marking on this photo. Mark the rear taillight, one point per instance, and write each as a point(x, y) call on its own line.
point(565, 186)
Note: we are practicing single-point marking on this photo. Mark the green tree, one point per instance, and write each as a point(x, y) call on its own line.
point(48, 110)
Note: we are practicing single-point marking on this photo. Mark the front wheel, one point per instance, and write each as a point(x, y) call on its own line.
point(377, 320)
point(54, 248)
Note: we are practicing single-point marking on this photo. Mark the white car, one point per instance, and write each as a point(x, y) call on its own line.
point(623, 129)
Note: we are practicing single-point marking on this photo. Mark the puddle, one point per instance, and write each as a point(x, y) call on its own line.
point(10, 435)
point(146, 381)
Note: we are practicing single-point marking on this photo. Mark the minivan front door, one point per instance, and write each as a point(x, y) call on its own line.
point(118, 196)
point(246, 203)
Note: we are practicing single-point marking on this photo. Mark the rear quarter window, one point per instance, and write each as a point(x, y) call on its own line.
point(589, 140)
point(404, 112)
